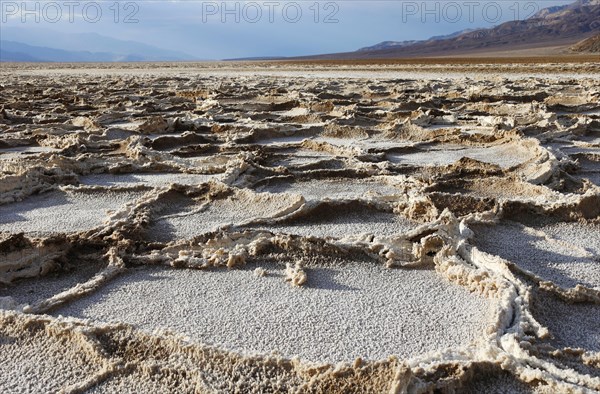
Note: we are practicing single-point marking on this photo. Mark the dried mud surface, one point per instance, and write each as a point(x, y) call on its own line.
point(295, 228)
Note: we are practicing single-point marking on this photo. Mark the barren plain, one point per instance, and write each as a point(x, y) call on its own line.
point(289, 227)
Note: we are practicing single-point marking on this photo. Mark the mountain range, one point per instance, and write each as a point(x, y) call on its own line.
point(402, 44)
point(36, 44)
point(551, 31)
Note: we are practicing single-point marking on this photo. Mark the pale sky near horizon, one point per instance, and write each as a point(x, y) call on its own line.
point(231, 29)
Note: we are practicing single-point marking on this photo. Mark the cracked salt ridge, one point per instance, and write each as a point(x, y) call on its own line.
point(63, 211)
point(346, 310)
point(506, 156)
point(149, 179)
point(333, 189)
point(564, 253)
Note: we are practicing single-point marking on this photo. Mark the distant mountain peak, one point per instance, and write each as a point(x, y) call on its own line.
point(552, 27)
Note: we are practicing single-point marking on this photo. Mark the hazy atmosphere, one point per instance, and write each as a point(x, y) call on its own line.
point(221, 30)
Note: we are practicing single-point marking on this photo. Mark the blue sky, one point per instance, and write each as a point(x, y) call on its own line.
point(218, 30)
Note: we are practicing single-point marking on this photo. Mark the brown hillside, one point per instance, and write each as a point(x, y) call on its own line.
point(591, 45)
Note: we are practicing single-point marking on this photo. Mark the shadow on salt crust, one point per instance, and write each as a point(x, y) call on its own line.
point(63, 211)
point(339, 221)
point(24, 151)
point(496, 382)
point(553, 253)
point(571, 325)
point(320, 189)
point(30, 290)
point(505, 156)
point(150, 179)
point(183, 218)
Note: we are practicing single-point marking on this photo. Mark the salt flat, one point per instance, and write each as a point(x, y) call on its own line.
point(246, 227)
point(351, 309)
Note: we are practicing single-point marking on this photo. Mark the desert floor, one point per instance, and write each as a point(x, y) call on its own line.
point(297, 227)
